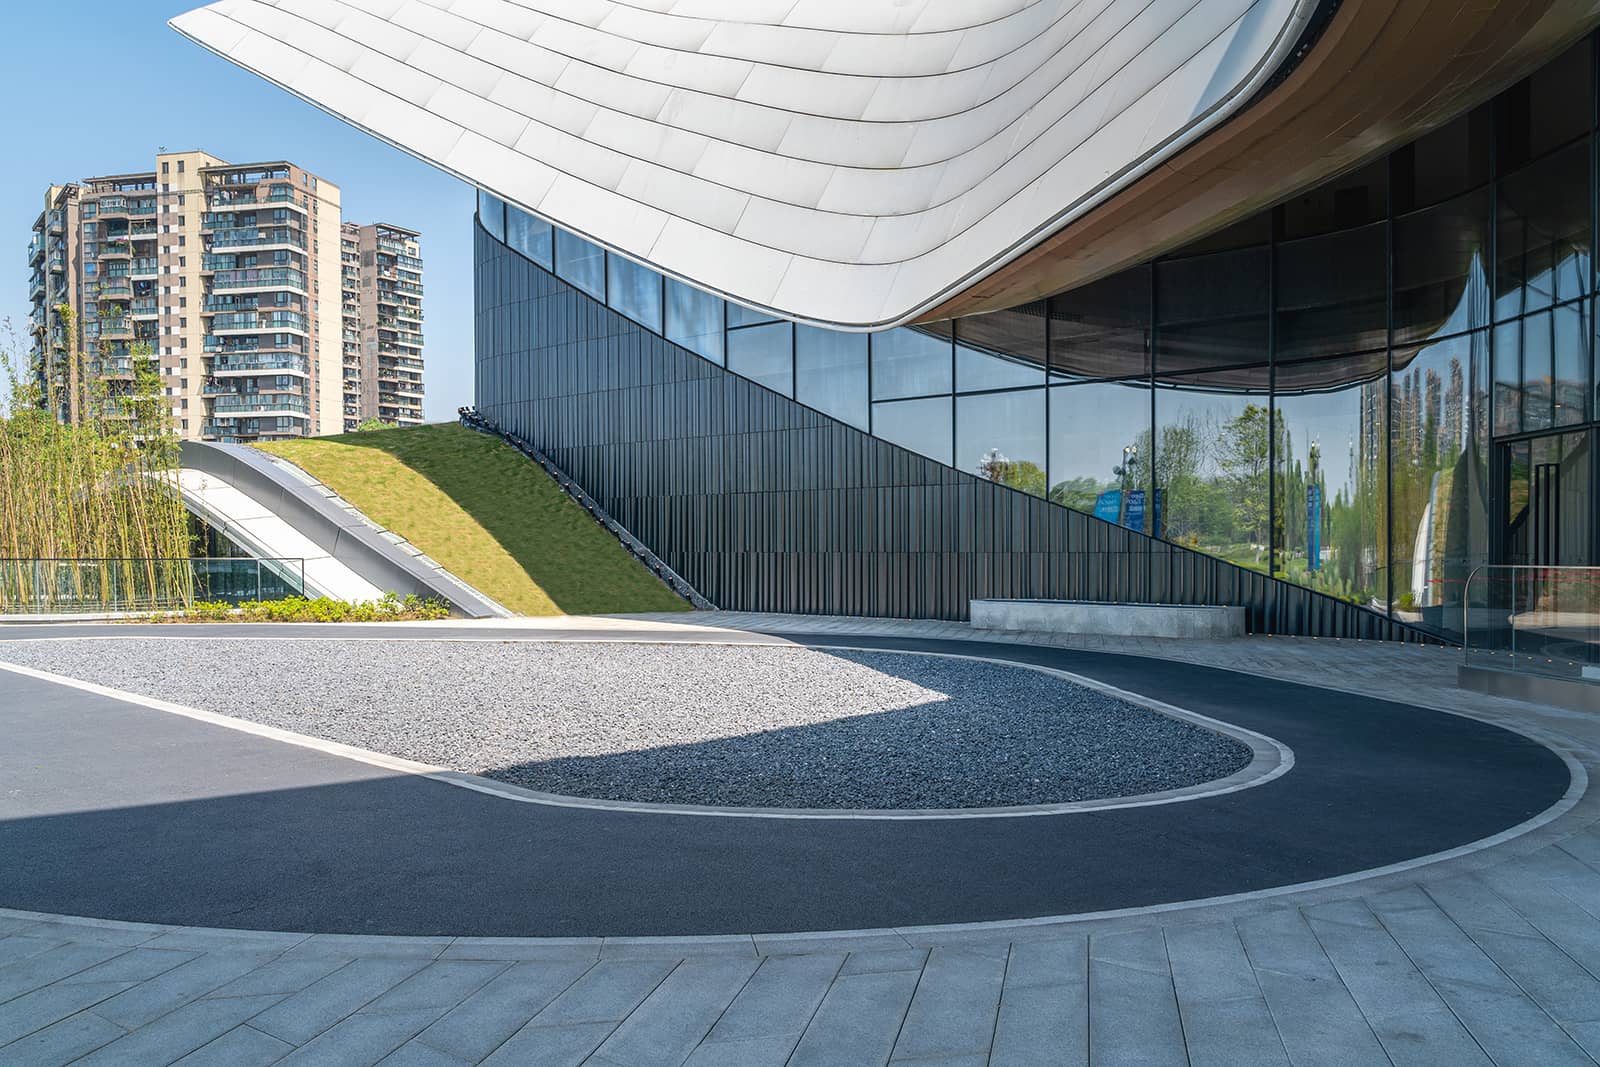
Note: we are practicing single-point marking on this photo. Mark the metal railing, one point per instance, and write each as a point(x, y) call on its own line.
point(83, 586)
point(1533, 620)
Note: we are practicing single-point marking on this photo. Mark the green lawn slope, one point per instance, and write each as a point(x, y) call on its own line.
point(488, 514)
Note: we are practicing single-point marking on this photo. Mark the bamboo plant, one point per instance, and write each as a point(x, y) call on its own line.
point(89, 509)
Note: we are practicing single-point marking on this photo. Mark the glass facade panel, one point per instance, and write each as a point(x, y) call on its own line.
point(910, 362)
point(694, 320)
point(1211, 311)
point(1000, 436)
point(923, 426)
point(1344, 203)
point(1542, 234)
point(1547, 109)
point(1439, 481)
point(1213, 462)
point(1099, 444)
point(533, 237)
point(1331, 475)
point(581, 263)
point(1441, 271)
point(492, 214)
point(830, 373)
point(739, 315)
point(977, 370)
point(1017, 335)
point(1508, 378)
point(1443, 164)
point(1103, 329)
point(1332, 293)
point(764, 354)
point(635, 291)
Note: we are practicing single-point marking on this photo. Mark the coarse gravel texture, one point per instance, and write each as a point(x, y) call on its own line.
point(758, 726)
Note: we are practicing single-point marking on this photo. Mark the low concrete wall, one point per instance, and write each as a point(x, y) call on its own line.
point(1574, 693)
point(1111, 620)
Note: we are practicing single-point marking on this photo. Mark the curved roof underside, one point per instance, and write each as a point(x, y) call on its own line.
point(845, 162)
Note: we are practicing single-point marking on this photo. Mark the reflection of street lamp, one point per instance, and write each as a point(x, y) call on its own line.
point(1130, 455)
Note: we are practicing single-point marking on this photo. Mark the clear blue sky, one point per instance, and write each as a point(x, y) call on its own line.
point(94, 105)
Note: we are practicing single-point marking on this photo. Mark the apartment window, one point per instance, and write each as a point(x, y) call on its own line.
point(182, 241)
point(183, 321)
point(183, 301)
point(164, 168)
point(166, 187)
point(183, 383)
point(183, 364)
point(180, 166)
point(183, 261)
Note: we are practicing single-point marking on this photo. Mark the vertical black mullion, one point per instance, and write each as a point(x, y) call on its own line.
point(869, 384)
point(1154, 509)
point(1499, 488)
point(1388, 387)
point(1049, 557)
point(1273, 544)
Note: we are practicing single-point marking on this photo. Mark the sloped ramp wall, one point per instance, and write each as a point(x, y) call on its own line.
point(763, 504)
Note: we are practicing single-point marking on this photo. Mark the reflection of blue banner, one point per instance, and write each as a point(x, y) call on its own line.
point(1313, 527)
point(1109, 506)
point(1135, 517)
point(1155, 514)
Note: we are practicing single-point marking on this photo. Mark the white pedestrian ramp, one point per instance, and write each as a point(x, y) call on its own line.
point(257, 529)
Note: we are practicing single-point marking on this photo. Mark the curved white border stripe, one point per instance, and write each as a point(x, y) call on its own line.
point(1270, 758)
point(850, 166)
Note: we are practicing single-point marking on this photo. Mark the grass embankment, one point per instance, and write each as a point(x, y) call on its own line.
point(487, 514)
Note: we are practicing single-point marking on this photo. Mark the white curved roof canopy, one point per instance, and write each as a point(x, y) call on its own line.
point(849, 163)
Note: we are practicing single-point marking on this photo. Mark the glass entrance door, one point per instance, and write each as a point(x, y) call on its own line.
point(1548, 510)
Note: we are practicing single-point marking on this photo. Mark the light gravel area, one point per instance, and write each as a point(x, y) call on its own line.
point(765, 726)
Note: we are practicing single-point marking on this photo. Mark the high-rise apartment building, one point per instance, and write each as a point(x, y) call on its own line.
point(230, 277)
point(53, 255)
point(382, 296)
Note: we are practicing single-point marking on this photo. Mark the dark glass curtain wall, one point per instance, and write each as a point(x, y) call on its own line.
point(1343, 391)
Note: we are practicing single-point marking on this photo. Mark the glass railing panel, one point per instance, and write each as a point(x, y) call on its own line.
point(1534, 620)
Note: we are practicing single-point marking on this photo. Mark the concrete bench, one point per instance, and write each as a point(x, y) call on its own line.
point(1109, 619)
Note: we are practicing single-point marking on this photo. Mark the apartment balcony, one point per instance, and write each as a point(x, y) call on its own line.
point(224, 200)
point(143, 267)
point(118, 249)
point(281, 238)
point(144, 307)
point(259, 322)
point(36, 285)
point(237, 404)
point(113, 290)
point(56, 264)
point(239, 279)
point(248, 345)
point(36, 250)
point(233, 365)
point(56, 222)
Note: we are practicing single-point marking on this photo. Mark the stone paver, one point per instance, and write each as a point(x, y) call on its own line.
point(1492, 957)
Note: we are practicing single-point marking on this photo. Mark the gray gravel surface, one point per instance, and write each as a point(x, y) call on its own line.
point(700, 724)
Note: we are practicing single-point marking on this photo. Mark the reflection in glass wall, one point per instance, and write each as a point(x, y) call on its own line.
point(533, 237)
point(1332, 476)
point(924, 426)
point(1328, 377)
point(765, 355)
point(694, 320)
point(910, 363)
point(1100, 448)
point(581, 263)
point(830, 373)
point(635, 291)
point(1213, 467)
point(1439, 481)
point(1542, 235)
point(1000, 436)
